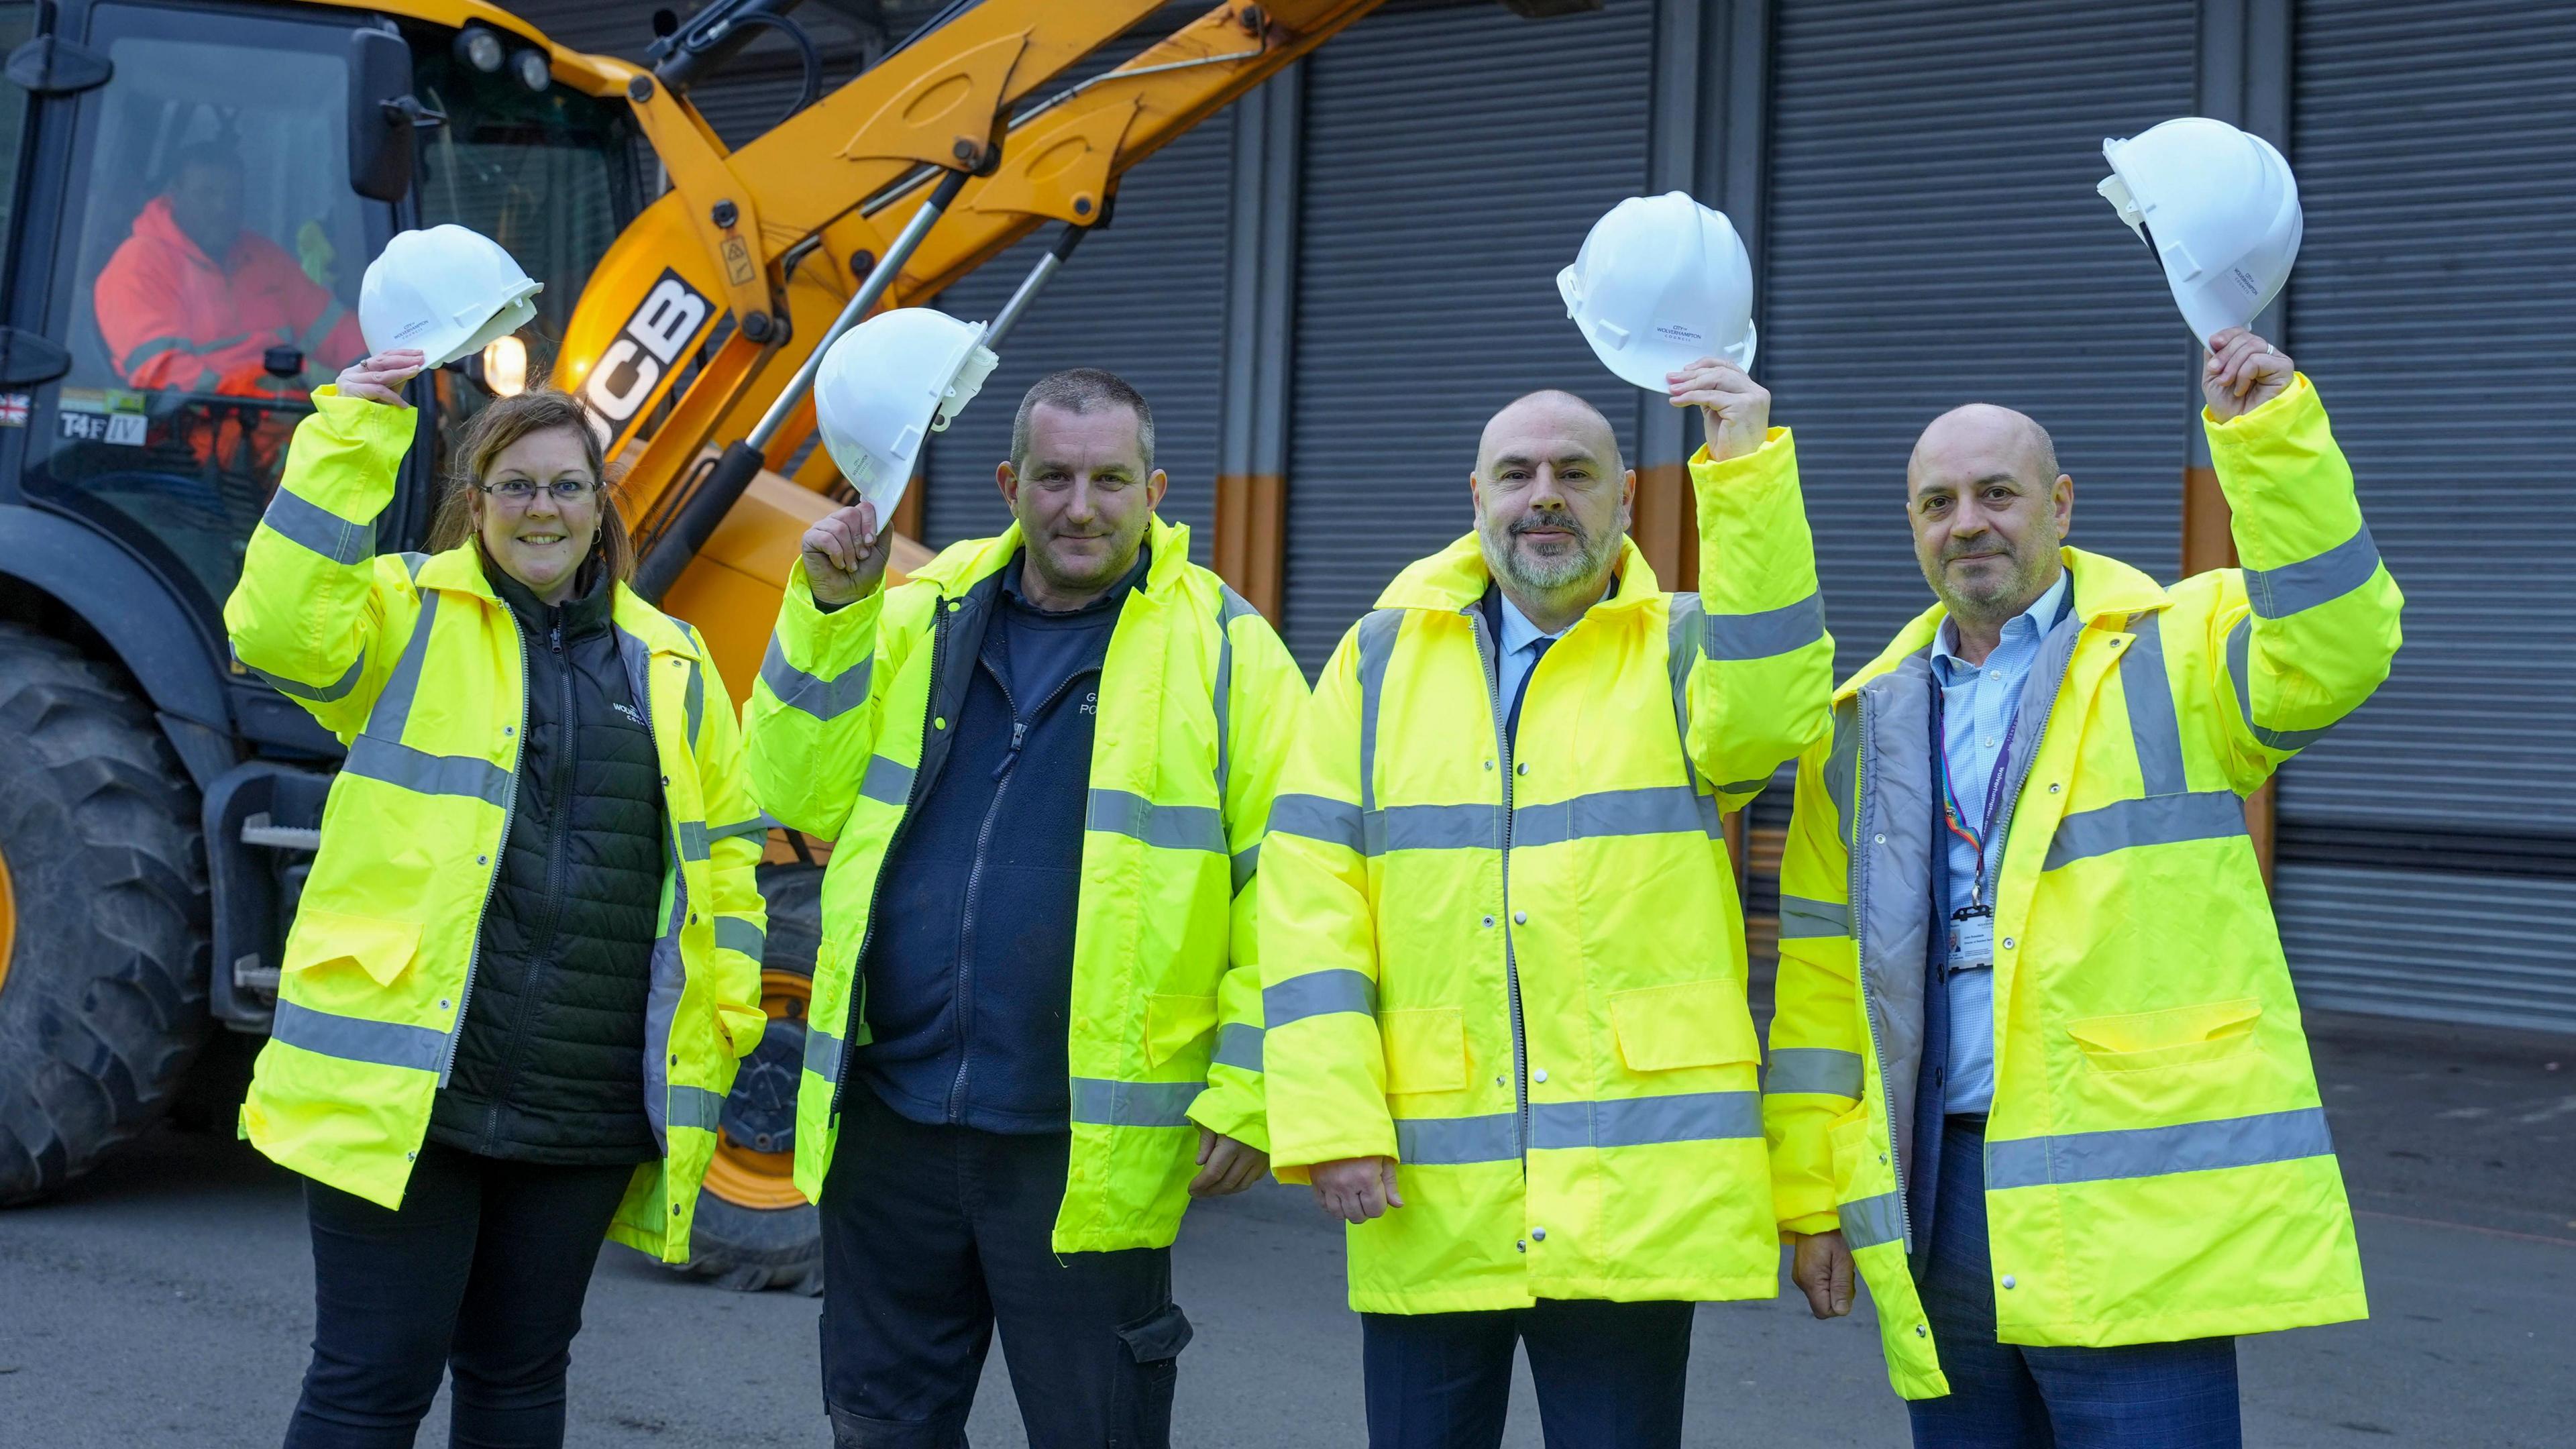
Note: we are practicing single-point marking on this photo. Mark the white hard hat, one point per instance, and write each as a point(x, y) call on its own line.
point(2221, 210)
point(1661, 282)
point(886, 385)
point(446, 291)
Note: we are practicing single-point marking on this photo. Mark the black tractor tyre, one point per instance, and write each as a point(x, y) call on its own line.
point(748, 1246)
point(103, 995)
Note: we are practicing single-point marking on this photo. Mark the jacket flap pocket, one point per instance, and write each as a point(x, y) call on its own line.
point(1691, 1024)
point(382, 948)
point(1173, 1022)
point(2164, 1038)
point(1426, 1049)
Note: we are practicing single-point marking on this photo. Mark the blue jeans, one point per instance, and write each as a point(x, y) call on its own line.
point(2006, 1396)
point(480, 1274)
point(1609, 1375)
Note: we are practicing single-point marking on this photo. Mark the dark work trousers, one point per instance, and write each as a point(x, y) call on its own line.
point(932, 1236)
point(482, 1271)
point(2006, 1396)
point(1608, 1375)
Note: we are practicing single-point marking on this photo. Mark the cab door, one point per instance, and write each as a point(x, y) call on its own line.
point(200, 270)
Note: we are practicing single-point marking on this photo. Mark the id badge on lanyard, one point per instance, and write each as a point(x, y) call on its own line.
point(1972, 927)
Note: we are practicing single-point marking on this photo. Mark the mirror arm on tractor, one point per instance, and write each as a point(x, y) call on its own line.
point(695, 520)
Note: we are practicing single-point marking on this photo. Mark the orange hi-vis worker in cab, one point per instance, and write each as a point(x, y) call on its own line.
point(193, 301)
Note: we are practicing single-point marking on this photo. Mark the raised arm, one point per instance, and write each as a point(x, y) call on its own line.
point(1759, 687)
point(810, 726)
point(307, 611)
point(2309, 624)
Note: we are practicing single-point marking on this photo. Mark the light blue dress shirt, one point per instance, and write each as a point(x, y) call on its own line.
point(1977, 707)
point(1517, 652)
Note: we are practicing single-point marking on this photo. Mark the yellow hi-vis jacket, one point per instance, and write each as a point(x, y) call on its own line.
point(1198, 700)
point(2157, 1164)
point(1520, 971)
point(418, 667)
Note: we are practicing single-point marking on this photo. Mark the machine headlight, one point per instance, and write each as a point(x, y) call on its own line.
point(480, 48)
point(505, 367)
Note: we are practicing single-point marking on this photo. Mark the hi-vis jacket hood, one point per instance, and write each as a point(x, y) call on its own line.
point(2157, 1161)
point(418, 667)
point(1520, 971)
point(1198, 699)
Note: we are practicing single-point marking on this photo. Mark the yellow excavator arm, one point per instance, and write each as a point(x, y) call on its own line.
point(957, 130)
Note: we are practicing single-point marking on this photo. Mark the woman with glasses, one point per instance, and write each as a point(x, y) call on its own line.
point(527, 956)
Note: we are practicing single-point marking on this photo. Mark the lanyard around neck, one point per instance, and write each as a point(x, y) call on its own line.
point(1983, 835)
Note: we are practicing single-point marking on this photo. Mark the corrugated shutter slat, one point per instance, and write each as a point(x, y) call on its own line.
point(1454, 159)
point(1933, 238)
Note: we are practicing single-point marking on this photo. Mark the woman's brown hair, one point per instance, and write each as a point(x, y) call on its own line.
point(504, 422)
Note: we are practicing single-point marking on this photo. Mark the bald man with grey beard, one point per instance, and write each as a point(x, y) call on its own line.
point(1503, 959)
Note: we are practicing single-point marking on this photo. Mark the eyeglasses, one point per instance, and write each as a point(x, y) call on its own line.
point(519, 492)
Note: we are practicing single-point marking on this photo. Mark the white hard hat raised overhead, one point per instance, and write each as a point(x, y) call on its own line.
point(886, 385)
point(2219, 207)
point(1660, 283)
point(447, 291)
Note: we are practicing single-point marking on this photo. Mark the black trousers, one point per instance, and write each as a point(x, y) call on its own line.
point(482, 1271)
point(932, 1237)
point(1608, 1375)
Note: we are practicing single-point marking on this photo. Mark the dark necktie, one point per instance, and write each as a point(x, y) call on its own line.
point(1538, 650)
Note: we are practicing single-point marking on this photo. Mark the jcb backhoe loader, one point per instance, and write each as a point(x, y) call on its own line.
point(159, 806)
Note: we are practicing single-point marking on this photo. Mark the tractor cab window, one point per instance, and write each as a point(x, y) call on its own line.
point(551, 175)
point(212, 256)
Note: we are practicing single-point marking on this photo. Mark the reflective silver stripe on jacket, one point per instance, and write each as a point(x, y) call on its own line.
point(356, 1039)
point(1317, 818)
point(341, 540)
point(1318, 993)
point(379, 753)
point(1805, 920)
point(756, 826)
point(2239, 639)
point(1645, 1121)
point(733, 933)
point(695, 1107)
point(1822, 1070)
point(2153, 728)
point(337, 689)
point(1170, 827)
point(887, 782)
point(1377, 647)
point(822, 1053)
point(2155, 820)
point(1873, 1220)
point(2156, 1151)
point(808, 694)
point(1100, 1102)
point(1568, 1126)
point(1767, 634)
point(1238, 1045)
point(2322, 579)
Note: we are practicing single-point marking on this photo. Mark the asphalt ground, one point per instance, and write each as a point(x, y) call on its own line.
point(166, 1301)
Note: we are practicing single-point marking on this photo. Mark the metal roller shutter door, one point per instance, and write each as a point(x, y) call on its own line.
point(1145, 299)
point(1934, 238)
point(1437, 206)
point(2433, 162)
